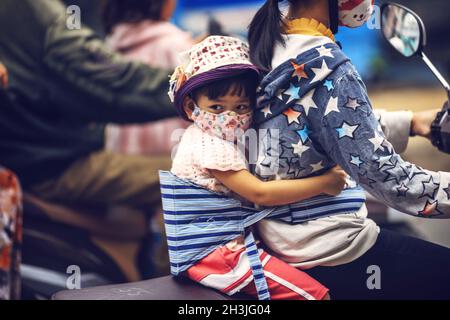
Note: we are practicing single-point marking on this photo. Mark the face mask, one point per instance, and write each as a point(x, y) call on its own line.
point(354, 13)
point(227, 125)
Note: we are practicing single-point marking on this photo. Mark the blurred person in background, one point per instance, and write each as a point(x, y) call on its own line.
point(141, 30)
point(65, 85)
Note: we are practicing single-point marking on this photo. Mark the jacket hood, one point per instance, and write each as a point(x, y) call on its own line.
point(295, 78)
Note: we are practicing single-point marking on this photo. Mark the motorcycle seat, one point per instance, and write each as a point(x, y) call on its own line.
point(164, 288)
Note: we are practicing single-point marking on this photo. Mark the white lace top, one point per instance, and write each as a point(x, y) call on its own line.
point(198, 152)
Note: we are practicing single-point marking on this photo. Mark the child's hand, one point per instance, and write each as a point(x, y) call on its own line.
point(336, 179)
point(3, 76)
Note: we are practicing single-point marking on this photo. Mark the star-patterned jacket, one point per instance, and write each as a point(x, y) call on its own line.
point(319, 106)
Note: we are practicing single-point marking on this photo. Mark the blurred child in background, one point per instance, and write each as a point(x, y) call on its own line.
point(140, 30)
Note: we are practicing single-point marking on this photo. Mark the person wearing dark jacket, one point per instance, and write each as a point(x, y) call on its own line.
point(64, 85)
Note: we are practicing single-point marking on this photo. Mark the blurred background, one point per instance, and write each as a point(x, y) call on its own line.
point(394, 82)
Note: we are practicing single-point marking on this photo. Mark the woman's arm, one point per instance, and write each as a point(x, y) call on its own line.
point(354, 140)
point(281, 192)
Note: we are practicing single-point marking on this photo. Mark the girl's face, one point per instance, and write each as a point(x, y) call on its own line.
point(238, 104)
point(229, 102)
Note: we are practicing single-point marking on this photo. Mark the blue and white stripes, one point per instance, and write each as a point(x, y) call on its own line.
point(349, 201)
point(198, 221)
point(257, 269)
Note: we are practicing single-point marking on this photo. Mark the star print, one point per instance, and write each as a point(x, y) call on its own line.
point(429, 188)
point(329, 85)
point(304, 133)
point(352, 104)
point(321, 73)
point(447, 191)
point(280, 93)
point(270, 145)
point(412, 171)
point(299, 71)
point(317, 166)
point(332, 106)
point(292, 115)
point(299, 148)
point(271, 152)
point(387, 144)
point(347, 130)
point(324, 52)
point(356, 160)
point(266, 110)
point(307, 101)
point(365, 180)
point(402, 190)
point(429, 209)
point(377, 142)
point(293, 92)
point(392, 175)
point(272, 163)
point(294, 168)
point(384, 161)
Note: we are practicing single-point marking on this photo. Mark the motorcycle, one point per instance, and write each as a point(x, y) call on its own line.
point(405, 32)
point(53, 241)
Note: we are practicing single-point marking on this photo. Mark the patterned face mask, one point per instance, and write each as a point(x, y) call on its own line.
point(354, 13)
point(227, 125)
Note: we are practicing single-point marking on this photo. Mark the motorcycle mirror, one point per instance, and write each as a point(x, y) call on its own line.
point(403, 29)
point(406, 33)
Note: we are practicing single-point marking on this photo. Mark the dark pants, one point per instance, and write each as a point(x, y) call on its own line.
point(409, 268)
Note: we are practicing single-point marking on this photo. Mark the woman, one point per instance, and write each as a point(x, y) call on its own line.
point(315, 97)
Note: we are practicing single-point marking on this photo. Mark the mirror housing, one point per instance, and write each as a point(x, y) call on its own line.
point(403, 29)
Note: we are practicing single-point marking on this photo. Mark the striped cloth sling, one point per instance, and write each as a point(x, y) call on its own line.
point(198, 221)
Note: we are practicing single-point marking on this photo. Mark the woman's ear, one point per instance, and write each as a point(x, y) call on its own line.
point(188, 106)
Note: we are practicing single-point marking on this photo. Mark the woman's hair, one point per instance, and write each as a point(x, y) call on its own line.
point(243, 84)
point(265, 31)
point(120, 11)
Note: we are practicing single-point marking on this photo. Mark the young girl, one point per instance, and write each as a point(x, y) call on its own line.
point(309, 75)
point(215, 89)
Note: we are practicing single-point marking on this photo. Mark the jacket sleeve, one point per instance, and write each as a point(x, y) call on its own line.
point(352, 136)
point(396, 126)
point(90, 81)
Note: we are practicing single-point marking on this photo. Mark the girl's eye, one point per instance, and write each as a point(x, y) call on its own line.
point(242, 107)
point(216, 108)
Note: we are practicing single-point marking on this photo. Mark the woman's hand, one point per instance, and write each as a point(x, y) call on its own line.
point(421, 123)
point(337, 179)
point(3, 76)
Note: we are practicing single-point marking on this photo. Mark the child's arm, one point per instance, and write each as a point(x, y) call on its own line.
point(281, 192)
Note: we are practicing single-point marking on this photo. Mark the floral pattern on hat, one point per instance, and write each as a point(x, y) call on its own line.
point(212, 53)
